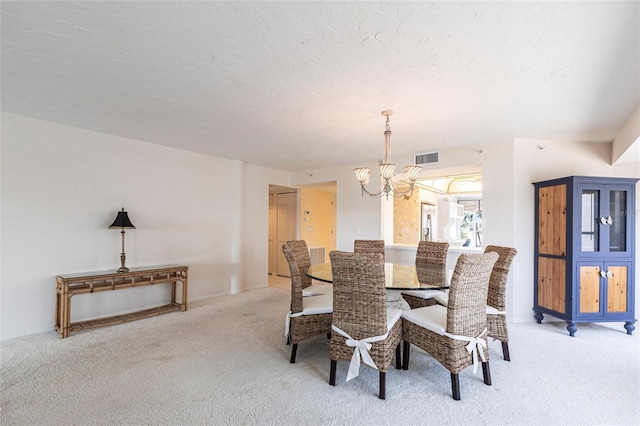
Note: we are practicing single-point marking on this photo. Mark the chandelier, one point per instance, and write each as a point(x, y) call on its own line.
point(387, 171)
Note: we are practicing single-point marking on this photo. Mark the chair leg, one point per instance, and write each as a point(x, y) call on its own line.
point(294, 349)
point(288, 340)
point(332, 373)
point(383, 391)
point(328, 335)
point(455, 386)
point(486, 373)
point(405, 355)
point(398, 358)
point(505, 351)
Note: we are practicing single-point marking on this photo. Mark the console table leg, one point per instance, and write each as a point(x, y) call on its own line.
point(56, 319)
point(183, 307)
point(63, 300)
point(67, 315)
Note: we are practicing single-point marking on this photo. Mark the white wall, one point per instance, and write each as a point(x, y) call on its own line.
point(364, 213)
point(355, 212)
point(628, 135)
point(255, 223)
point(509, 169)
point(556, 159)
point(61, 189)
point(357, 217)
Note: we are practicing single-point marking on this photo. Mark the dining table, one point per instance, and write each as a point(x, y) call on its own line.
point(398, 277)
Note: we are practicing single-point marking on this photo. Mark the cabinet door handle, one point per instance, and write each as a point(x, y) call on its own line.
point(607, 274)
point(606, 220)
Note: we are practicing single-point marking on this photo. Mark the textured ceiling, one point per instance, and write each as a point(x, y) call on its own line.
point(300, 85)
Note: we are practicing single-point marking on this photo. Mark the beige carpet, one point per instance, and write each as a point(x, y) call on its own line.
point(226, 362)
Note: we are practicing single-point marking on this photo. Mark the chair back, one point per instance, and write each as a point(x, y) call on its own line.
point(467, 307)
point(303, 259)
point(297, 256)
point(369, 246)
point(359, 294)
point(498, 281)
point(432, 254)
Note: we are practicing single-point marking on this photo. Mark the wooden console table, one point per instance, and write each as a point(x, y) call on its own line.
point(70, 285)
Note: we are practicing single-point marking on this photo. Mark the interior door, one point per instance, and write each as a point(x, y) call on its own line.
point(272, 235)
point(286, 226)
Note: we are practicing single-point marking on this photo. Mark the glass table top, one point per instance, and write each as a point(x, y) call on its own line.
point(398, 276)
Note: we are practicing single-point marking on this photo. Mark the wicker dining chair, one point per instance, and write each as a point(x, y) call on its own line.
point(309, 316)
point(361, 317)
point(496, 299)
point(301, 254)
point(369, 246)
point(447, 332)
point(433, 255)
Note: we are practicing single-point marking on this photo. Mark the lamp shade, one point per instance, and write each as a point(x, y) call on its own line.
point(122, 221)
point(362, 174)
point(387, 170)
point(412, 172)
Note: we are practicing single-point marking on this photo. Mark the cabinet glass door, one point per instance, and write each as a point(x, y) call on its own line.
point(617, 220)
point(590, 228)
point(604, 219)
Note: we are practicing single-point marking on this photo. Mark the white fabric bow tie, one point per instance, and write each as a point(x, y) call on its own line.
point(287, 321)
point(475, 347)
point(360, 351)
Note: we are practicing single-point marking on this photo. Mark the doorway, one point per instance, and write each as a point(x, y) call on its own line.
point(428, 221)
point(283, 226)
point(444, 207)
point(308, 213)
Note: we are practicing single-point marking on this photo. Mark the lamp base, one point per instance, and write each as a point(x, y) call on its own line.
point(122, 268)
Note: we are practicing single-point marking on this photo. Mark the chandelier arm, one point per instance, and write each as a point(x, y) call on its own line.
point(371, 194)
point(388, 189)
point(397, 194)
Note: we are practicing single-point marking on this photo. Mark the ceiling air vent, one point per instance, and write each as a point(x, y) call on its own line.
point(427, 157)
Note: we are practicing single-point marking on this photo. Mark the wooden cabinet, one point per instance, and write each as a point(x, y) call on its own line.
point(585, 250)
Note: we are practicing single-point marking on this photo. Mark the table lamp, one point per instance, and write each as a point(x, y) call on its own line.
point(122, 221)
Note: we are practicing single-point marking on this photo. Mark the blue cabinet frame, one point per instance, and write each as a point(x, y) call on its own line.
point(584, 261)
